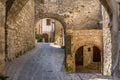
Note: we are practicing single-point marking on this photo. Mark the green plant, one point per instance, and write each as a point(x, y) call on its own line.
point(68, 68)
point(107, 73)
point(57, 37)
point(3, 77)
point(38, 37)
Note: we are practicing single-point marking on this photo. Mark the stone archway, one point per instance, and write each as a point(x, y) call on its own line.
point(53, 16)
point(88, 59)
point(86, 47)
point(79, 56)
point(96, 54)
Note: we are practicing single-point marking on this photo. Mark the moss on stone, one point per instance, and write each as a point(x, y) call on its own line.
point(68, 68)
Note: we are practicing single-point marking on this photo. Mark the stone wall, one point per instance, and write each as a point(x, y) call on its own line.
point(86, 37)
point(79, 14)
point(107, 44)
point(88, 55)
point(20, 30)
point(2, 34)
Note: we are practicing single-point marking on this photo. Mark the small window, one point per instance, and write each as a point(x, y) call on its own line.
point(89, 49)
point(48, 22)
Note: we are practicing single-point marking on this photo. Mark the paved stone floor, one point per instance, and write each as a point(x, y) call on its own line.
point(45, 62)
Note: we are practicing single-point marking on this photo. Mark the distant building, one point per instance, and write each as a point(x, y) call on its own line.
point(51, 30)
point(46, 28)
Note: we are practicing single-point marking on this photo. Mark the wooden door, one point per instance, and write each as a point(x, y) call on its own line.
point(96, 54)
point(79, 56)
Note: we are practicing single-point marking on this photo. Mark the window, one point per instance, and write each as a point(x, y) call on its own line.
point(48, 22)
point(89, 49)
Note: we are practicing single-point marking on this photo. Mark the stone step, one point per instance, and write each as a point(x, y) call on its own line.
point(94, 66)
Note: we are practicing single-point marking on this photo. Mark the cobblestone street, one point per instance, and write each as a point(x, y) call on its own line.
point(45, 62)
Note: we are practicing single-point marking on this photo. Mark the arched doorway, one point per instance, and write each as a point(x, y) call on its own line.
point(88, 59)
point(96, 54)
point(79, 56)
point(45, 37)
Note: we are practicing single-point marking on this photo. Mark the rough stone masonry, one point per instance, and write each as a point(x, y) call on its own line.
point(20, 29)
point(2, 34)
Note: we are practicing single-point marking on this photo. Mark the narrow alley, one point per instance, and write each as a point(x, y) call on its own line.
point(60, 39)
point(44, 62)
